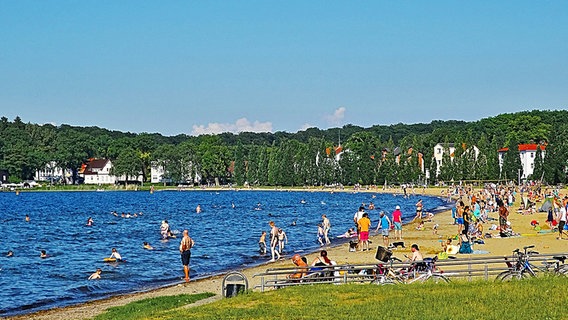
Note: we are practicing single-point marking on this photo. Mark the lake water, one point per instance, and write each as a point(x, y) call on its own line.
point(225, 237)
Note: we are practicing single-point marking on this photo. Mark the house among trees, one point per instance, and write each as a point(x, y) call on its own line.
point(53, 173)
point(102, 171)
point(449, 150)
point(97, 171)
point(527, 155)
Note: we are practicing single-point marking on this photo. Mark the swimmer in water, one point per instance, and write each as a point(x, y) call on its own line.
point(198, 209)
point(147, 246)
point(90, 221)
point(10, 254)
point(233, 205)
point(96, 275)
point(115, 255)
point(43, 254)
point(27, 218)
point(165, 230)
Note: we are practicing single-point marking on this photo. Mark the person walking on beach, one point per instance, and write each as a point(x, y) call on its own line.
point(364, 225)
point(384, 227)
point(562, 218)
point(273, 240)
point(185, 250)
point(326, 227)
point(397, 221)
point(358, 215)
point(459, 216)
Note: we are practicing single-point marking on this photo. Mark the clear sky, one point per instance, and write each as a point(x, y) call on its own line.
point(205, 66)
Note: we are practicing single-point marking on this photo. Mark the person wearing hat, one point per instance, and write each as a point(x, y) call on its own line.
point(397, 221)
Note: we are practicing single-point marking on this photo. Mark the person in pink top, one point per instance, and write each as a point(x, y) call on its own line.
point(397, 221)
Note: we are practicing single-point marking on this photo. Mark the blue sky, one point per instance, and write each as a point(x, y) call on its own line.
point(207, 66)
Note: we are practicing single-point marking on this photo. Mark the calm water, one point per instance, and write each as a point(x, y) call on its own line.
point(225, 237)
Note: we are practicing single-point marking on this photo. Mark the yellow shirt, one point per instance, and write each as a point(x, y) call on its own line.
point(364, 224)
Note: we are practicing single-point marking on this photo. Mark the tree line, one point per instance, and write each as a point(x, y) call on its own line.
point(376, 155)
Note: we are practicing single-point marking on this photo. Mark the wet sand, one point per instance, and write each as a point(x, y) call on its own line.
point(428, 241)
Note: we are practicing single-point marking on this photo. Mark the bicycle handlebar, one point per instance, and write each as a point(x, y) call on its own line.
point(528, 247)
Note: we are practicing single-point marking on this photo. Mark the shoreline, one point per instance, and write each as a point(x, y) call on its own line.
point(427, 239)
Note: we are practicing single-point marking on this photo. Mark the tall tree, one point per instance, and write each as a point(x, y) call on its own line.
point(512, 167)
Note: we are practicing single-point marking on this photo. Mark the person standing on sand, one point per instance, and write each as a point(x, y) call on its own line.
point(364, 225)
point(397, 221)
point(503, 214)
point(384, 227)
point(562, 217)
point(459, 216)
point(185, 250)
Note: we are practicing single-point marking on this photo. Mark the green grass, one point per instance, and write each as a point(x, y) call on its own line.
point(151, 308)
point(540, 298)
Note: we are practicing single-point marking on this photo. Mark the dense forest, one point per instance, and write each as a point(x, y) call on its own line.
point(347, 155)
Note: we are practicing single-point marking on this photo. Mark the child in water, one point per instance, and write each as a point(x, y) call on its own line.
point(96, 275)
point(262, 243)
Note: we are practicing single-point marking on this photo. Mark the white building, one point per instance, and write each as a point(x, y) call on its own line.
point(97, 171)
point(53, 173)
point(527, 153)
point(440, 148)
point(157, 173)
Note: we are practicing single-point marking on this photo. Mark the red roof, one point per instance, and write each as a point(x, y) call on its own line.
point(525, 147)
point(530, 147)
point(94, 164)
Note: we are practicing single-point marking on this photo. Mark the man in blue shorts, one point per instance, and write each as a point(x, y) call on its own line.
point(185, 250)
point(384, 228)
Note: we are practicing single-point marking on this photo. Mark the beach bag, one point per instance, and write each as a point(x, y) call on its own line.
point(383, 254)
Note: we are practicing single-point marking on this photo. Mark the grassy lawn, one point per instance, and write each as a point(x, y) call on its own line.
point(540, 298)
point(151, 308)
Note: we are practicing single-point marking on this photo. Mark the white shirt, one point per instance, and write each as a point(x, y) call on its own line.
point(358, 215)
point(562, 214)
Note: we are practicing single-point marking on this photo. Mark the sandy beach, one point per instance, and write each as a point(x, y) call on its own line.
point(428, 240)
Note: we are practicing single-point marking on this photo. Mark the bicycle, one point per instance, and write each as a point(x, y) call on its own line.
point(521, 268)
point(557, 267)
point(421, 272)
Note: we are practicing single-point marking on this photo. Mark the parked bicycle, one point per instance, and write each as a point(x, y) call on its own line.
point(556, 267)
point(422, 271)
point(521, 267)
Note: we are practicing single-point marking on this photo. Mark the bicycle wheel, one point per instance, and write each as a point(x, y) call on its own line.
point(563, 270)
point(436, 278)
point(515, 276)
point(503, 274)
point(382, 280)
